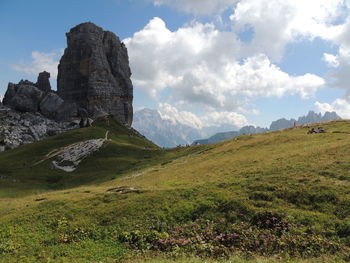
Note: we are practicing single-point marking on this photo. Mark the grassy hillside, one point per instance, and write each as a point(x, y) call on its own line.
point(284, 196)
point(22, 171)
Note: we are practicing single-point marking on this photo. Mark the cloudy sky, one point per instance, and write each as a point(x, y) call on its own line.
point(200, 61)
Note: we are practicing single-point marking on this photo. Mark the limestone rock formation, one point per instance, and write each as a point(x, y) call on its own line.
point(43, 82)
point(24, 96)
point(283, 123)
point(27, 97)
point(163, 132)
point(94, 73)
point(93, 81)
point(311, 117)
point(67, 111)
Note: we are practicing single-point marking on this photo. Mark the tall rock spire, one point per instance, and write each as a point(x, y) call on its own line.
point(94, 73)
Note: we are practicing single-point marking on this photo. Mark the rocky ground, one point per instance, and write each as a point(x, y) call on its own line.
point(17, 128)
point(70, 157)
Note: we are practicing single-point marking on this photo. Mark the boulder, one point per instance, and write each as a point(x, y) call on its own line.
point(94, 73)
point(50, 105)
point(43, 82)
point(24, 97)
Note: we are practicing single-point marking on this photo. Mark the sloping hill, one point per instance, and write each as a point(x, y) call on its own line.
point(283, 193)
point(31, 168)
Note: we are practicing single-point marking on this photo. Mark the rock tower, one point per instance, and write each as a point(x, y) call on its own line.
point(94, 73)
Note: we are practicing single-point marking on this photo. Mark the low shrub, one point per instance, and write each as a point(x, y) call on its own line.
point(267, 234)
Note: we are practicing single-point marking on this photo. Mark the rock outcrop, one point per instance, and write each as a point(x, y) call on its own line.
point(93, 81)
point(50, 105)
point(24, 96)
point(94, 73)
point(31, 112)
point(27, 97)
point(17, 128)
point(43, 82)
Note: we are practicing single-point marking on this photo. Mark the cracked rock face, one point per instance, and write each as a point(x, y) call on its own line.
point(50, 105)
point(94, 73)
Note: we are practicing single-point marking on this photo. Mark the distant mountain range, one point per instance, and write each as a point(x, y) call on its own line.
point(163, 132)
point(309, 118)
point(280, 124)
point(223, 136)
point(170, 133)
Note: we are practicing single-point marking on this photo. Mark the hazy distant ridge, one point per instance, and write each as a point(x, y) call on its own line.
point(280, 124)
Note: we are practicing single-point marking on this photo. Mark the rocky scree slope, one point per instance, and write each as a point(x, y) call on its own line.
point(32, 111)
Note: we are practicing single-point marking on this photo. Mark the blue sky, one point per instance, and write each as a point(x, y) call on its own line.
point(207, 62)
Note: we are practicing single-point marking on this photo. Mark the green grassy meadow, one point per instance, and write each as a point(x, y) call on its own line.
point(282, 196)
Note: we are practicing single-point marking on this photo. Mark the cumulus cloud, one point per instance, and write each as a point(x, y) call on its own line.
point(204, 65)
point(339, 76)
point(213, 118)
point(275, 22)
point(41, 61)
point(224, 117)
point(279, 22)
point(171, 113)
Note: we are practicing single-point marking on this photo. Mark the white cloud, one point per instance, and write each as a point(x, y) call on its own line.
point(340, 106)
point(171, 113)
point(224, 117)
point(275, 22)
point(41, 61)
point(204, 65)
point(331, 60)
point(279, 22)
point(339, 76)
point(212, 118)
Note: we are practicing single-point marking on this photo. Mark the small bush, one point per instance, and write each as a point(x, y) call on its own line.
point(268, 220)
point(267, 234)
